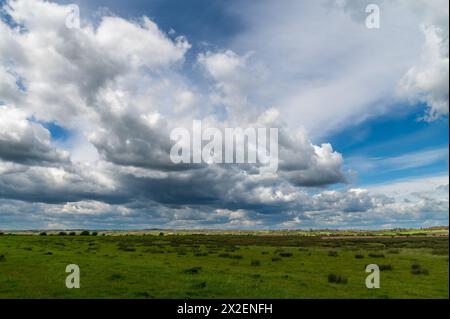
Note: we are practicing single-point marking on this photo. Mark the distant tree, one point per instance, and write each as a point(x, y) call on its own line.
point(43, 233)
point(72, 233)
point(84, 233)
point(94, 233)
point(161, 234)
point(62, 233)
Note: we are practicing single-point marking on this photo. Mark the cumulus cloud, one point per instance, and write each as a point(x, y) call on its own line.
point(311, 80)
point(427, 81)
point(23, 141)
point(78, 61)
point(120, 86)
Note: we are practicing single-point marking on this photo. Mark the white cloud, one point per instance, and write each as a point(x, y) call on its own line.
point(120, 88)
point(428, 80)
point(24, 141)
point(326, 70)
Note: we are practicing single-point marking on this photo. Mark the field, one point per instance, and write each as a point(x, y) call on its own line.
point(222, 265)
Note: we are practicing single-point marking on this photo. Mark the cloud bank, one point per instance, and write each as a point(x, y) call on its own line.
point(121, 85)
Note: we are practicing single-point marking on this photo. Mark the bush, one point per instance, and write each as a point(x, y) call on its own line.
point(2, 258)
point(394, 251)
point(62, 233)
point(72, 233)
point(417, 269)
point(359, 256)
point(337, 279)
point(255, 263)
point(116, 277)
point(43, 233)
point(193, 270)
point(420, 271)
point(440, 251)
point(200, 285)
point(332, 253)
point(286, 254)
point(94, 233)
point(376, 255)
point(161, 234)
point(84, 233)
point(415, 266)
point(199, 254)
point(384, 267)
point(276, 258)
point(1, 233)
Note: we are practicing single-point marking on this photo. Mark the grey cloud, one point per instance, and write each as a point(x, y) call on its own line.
point(26, 142)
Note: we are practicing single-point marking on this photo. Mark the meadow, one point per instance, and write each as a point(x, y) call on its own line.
point(224, 265)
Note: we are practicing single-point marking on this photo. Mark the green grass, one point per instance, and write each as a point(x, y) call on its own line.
point(220, 266)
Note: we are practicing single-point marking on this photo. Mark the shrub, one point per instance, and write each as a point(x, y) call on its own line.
point(384, 267)
point(193, 270)
point(43, 233)
point(417, 269)
point(94, 233)
point(255, 263)
point(161, 234)
point(198, 254)
point(200, 285)
point(440, 251)
point(72, 233)
point(224, 255)
point(332, 253)
point(62, 233)
point(1, 233)
point(2, 258)
point(116, 277)
point(359, 256)
point(337, 279)
point(276, 258)
point(415, 266)
point(84, 233)
point(394, 251)
point(420, 271)
point(376, 255)
point(142, 294)
point(286, 254)
point(236, 256)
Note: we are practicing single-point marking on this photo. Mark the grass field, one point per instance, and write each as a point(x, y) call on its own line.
point(266, 265)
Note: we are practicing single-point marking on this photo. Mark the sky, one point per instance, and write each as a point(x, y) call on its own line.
point(86, 112)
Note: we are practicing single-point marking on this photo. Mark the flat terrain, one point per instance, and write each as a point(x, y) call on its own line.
point(268, 265)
